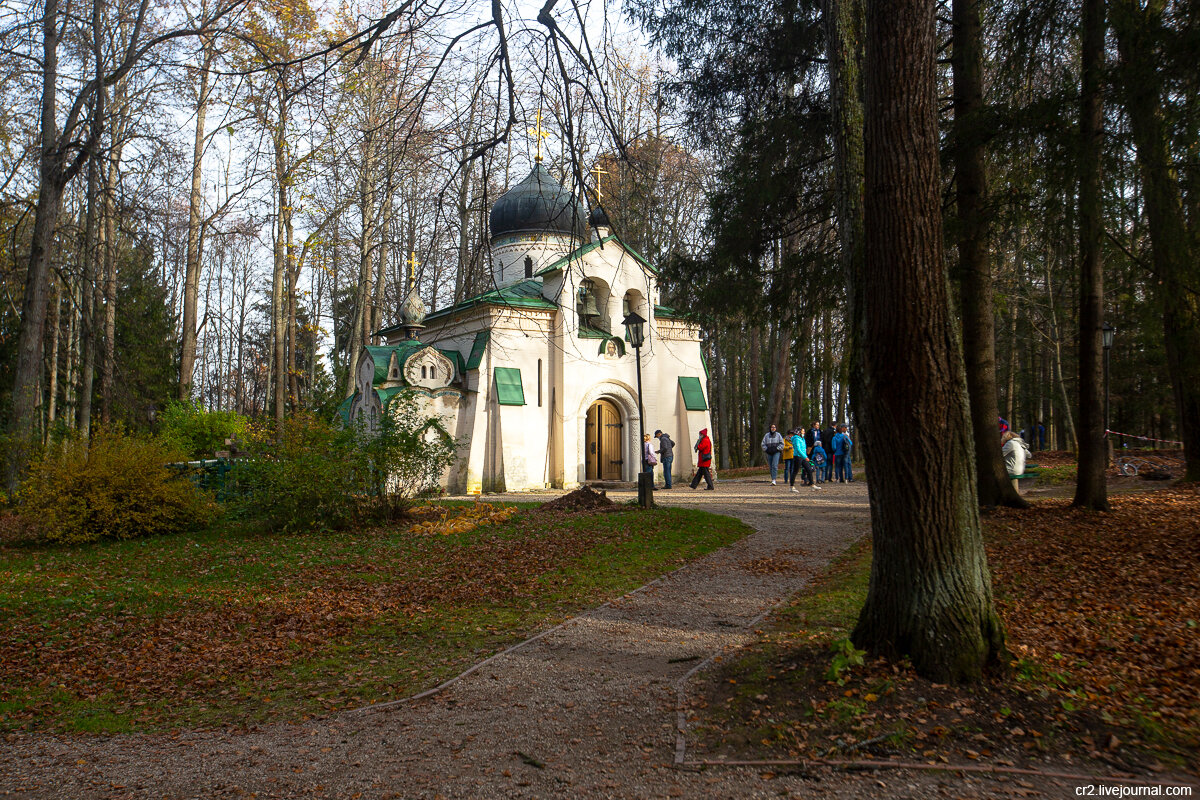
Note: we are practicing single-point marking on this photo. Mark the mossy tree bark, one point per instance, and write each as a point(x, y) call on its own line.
point(930, 592)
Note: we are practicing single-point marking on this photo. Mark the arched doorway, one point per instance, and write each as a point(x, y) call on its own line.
point(603, 441)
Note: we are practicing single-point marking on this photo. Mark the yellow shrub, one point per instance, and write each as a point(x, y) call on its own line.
point(118, 488)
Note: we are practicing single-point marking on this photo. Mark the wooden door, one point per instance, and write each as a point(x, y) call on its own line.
point(604, 429)
point(592, 442)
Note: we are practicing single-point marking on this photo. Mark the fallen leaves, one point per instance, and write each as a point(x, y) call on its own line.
point(217, 627)
point(1108, 600)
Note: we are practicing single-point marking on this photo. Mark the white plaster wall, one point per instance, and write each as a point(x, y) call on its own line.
point(508, 259)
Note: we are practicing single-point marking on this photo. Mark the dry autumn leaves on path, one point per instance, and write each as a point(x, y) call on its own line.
point(1102, 613)
point(228, 628)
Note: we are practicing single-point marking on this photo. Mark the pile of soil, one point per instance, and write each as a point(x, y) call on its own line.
point(582, 499)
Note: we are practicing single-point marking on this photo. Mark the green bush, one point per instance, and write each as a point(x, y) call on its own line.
point(198, 433)
point(119, 487)
point(314, 476)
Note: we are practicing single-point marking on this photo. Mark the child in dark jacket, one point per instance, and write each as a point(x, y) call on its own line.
point(818, 460)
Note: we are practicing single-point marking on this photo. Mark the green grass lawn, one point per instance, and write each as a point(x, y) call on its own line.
point(231, 627)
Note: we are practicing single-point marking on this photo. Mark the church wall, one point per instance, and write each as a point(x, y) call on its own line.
point(520, 339)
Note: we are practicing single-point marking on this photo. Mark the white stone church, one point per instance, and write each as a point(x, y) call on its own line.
point(535, 379)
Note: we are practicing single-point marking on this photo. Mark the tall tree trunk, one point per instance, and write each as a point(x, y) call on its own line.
point(73, 355)
point(1090, 488)
point(279, 276)
point(755, 394)
point(1174, 247)
point(844, 24)
point(55, 336)
point(108, 251)
point(293, 280)
point(279, 318)
point(1057, 365)
point(462, 274)
point(720, 362)
point(779, 376)
point(366, 249)
point(930, 593)
point(974, 271)
point(191, 280)
point(92, 266)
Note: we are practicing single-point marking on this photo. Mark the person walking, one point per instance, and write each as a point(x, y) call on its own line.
point(772, 445)
point(666, 454)
point(703, 448)
point(841, 455)
point(788, 452)
point(799, 456)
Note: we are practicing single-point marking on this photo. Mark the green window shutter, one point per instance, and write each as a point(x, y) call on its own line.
point(693, 393)
point(509, 391)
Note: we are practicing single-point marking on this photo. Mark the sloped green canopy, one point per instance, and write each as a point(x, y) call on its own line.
point(509, 391)
point(693, 393)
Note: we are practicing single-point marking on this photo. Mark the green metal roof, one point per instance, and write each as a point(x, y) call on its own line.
point(666, 312)
point(592, 333)
point(381, 355)
point(478, 348)
point(509, 391)
point(575, 255)
point(526, 294)
point(693, 393)
point(343, 410)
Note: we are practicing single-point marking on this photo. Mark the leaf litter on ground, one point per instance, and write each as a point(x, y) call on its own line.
point(1101, 614)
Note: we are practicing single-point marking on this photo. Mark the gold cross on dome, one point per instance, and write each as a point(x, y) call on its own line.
point(539, 133)
point(599, 172)
point(412, 269)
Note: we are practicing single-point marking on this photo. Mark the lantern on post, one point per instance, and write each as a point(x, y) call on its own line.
point(636, 331)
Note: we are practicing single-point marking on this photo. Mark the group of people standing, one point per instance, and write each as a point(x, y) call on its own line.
point(817, 456)
point(665, 454)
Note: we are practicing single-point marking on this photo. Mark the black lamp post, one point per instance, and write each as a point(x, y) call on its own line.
point(635, 327)
point(1107, 333)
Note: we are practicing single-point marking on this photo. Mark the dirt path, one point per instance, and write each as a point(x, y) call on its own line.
point(588, 710)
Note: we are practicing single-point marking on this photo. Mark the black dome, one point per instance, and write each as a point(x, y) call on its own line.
point(598, 218)
point(538, 204)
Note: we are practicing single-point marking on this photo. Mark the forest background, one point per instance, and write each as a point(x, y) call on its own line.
point(219, 202)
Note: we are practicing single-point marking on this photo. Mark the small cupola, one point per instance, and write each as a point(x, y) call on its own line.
point(412, 313)
point(598, 222)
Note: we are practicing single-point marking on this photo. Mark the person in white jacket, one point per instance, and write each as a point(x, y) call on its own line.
point(1015, 453)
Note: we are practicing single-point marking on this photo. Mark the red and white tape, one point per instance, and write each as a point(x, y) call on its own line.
point(1143, 438)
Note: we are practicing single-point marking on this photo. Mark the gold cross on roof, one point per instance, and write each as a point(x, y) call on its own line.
point(539, 133)
point(412, 269)
point(599, 172)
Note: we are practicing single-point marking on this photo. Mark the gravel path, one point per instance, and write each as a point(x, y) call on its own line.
point(586, 710)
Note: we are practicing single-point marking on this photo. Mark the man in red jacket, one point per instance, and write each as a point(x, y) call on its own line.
point(704, 465)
